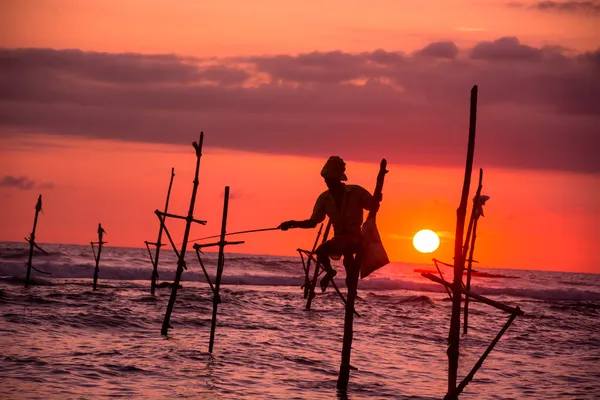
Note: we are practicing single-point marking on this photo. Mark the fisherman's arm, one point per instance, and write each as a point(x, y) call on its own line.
point(370, 202)
point(318, 215)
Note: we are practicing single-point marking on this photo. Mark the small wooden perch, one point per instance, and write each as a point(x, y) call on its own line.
point(181, 255)
point(100, 242)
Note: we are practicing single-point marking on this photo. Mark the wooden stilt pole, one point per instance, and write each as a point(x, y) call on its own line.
point(459, 260)
point(474, 220)
point(158, 243)
point(220, 262)
point(100, 242)
point(31, 240)
point(190, 218)
point(352, 275)
point(313, 284)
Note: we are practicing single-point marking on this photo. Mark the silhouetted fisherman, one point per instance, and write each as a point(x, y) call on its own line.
point(344, 205)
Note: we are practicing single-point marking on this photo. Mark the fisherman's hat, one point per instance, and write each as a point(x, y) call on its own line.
point(334, 169)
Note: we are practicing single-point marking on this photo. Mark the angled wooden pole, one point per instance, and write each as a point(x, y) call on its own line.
point(100, 242)
point(31, 240)
point(307, 268)
point(220, 262)
point(352, 275)
point(459, 260)
point(474, 219)
point(181, 259)
point(313, 283)
point(487, 351)
point(158, 243)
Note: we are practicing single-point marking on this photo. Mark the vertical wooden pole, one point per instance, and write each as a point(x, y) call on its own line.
point(313, 284)
point(97, 256)
point(181, 258)
point(38, 208)
point(459, 260)
point(474, 220)
point(220, 262)
point(158, 241)
point(352, 274)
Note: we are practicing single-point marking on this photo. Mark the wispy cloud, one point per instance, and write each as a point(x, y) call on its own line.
point(23, 183)
point(539, 104)
point(583, 7)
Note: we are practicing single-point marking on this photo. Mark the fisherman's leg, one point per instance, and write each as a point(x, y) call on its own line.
point(352, 268)
point(324, 251)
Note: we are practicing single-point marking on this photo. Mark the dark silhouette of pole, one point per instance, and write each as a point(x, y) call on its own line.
point(459, 259)
point(31, 240)
point(475, 214)
point(352, 275)
point(313, 283)
point(220, 262)
point(306, 266)
point(158, 243)
point(181, 259)
point(100, 242)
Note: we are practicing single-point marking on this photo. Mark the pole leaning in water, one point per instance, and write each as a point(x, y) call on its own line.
point(352, 275)
point(31, 240)
point(190, 218)
point(158, 243)
point(459, 259)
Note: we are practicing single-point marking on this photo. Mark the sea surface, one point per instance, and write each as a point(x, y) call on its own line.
point(59, 339)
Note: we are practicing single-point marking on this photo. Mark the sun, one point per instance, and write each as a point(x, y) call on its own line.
point(426, 241)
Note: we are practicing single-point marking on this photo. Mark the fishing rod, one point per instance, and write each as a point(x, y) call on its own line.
point(237, 233)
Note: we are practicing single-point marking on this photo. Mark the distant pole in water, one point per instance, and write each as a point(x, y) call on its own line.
point(189, 219)
point(31, 240)
point(352, 275)
point(100, 242)
point(476, 212)
point(158, 243)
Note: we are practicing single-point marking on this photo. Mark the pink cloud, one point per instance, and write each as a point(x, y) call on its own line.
point(538, 106)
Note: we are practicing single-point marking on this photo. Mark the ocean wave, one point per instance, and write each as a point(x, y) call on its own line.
point(13, 272)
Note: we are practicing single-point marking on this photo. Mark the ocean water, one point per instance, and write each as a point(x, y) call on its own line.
point(59, 339)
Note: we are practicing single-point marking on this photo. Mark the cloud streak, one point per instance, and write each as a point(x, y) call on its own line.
point(22, 183)
point(582, 7)
point(538, 105)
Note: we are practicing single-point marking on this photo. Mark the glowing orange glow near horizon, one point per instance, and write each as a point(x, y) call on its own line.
point(123, 190)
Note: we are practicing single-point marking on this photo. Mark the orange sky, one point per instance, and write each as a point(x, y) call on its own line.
point(536, 219)
point(240, 27)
